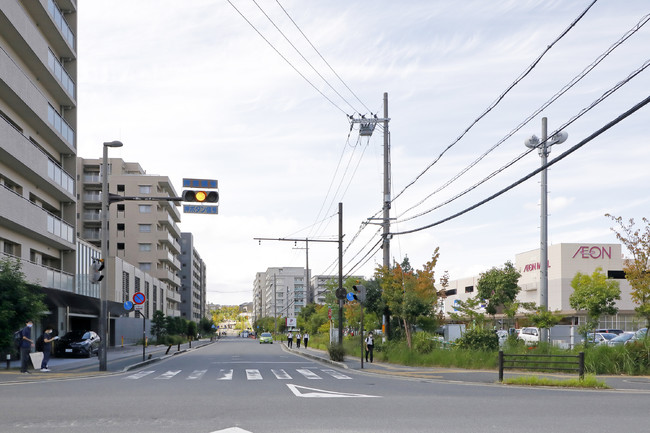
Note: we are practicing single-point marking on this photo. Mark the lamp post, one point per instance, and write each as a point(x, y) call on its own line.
point(103, 315)
point(544, 149)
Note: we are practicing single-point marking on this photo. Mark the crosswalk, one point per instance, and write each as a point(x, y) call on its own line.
point(250, 374)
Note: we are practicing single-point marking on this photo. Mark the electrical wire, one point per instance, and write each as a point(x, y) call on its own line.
point(533, 173)
point(323, 58)
point(301, 55)
point(499, 98)
point(287, 60)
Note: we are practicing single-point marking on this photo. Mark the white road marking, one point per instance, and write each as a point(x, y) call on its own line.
point(308, 373)
point(232, 430)
point(225, 374)
point(299, 391)
point(168, 375)
point(196, 374)
point(336, 374)
point(253, 374)
point(280, 374)
point(139, 374)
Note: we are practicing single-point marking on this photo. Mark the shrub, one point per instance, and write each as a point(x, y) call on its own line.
point(337, 352)
point(423, 342)
point(479, 339)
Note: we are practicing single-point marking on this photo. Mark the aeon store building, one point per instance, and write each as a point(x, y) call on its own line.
point(564, 261)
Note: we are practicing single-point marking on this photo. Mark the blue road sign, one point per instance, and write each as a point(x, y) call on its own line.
point(139, 298)
point(128, 305)
point(200, 183)
point(193, 208)
point(350, 296)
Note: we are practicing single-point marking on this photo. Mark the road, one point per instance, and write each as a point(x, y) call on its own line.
point(238, 385)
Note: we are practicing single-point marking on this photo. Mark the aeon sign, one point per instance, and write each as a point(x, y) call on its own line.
point(593, 252)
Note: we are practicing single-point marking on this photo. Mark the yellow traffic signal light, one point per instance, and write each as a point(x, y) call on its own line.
point(200, 196)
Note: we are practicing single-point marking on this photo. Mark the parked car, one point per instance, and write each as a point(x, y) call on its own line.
point(530, 335)
point(609, 331)
point(600, 337)
point(620, 339)
point(266, 337)
point(638, 335)
point(78, 343)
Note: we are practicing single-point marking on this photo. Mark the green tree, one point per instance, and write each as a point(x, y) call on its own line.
point(542, 318)
point(19, 300)
point(595, 294)
point(469, 311)
point(498, 287)
point(205, 326)
point(637, 269)
point(158, 325)
point(409, 294)
point(192, 329)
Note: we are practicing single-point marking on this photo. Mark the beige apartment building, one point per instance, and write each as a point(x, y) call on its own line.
point(143, 233)
point(38, 119)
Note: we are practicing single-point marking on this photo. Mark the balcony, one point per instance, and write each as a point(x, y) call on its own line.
point(46, 277)
point(173, 296)
point(171, 242)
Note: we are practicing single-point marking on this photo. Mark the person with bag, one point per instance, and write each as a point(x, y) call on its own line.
point(26, 344)
point(47, 347)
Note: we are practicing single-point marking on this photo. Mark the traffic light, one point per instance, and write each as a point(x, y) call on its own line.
point(359, 293)
point(200, 196)
point(96, 268)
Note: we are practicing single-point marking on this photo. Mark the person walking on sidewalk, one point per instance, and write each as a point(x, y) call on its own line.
point(305, 337)
point(289, 340)
point(47, 347)
point(26, 344)
point(298, 338)
point(370, 345)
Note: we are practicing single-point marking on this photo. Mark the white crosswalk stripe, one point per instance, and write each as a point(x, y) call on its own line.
point(251, 374)
point(169, 374)
point(196, 374)
point(308, 373)
point(280, 374)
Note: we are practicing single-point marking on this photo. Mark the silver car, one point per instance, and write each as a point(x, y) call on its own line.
point(620, 339)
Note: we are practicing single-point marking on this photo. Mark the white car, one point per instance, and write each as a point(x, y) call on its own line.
point(530, 335)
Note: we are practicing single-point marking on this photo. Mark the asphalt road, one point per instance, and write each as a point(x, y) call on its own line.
point(238, 385)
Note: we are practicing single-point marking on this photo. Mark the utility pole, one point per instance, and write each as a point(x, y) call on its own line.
point(275, 304)
point(366, 127)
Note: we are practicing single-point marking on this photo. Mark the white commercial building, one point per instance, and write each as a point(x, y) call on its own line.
point(564, 261)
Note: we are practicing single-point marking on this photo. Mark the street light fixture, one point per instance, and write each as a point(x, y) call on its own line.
point(544, 149)
point(103, 316)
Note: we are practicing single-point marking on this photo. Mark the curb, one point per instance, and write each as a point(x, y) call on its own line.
point(314, 357)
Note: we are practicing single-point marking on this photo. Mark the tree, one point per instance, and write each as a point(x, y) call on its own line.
point(595, 294)
point(409, 294)
point(637, 270)
point(158, 325)
point(19, 300)
point(542, 318)
point(498, 287)
point(205, 326)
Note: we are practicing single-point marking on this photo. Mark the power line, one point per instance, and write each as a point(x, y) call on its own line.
point(533, 173)
point(499, 99)
point(326, 62)
point(286, 60)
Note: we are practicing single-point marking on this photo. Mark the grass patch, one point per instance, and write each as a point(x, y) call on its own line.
point(589, 381)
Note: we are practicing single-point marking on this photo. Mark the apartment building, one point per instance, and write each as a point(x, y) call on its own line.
point(38, 118)
point(193, 280)
point(140, 232)
point(320, 283)
point(280, 292)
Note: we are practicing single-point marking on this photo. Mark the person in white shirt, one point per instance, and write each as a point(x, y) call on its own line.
point(298, 338)
point(305, 337)
point(289, 339)
point(370, 345)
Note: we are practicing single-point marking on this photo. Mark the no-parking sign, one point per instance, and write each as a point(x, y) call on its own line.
point(138, 298)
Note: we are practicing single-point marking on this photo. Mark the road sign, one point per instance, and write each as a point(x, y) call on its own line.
point(128, 305)
point(139, 298)
point(192, 208)
point(200, 183)
point(350, 296)
point(139, 307)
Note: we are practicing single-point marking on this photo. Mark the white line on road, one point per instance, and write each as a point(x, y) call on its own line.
point(308, 373)
point(196, 374)
point(225, 374)
point(281, 374)
point(336, 374)
point(140, 374)
point(299, 391)
point(168, 375)
point(253, 374)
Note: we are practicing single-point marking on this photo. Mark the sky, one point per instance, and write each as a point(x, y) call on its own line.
point(212, 89)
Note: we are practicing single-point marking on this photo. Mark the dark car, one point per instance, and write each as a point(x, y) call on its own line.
point(78, 343)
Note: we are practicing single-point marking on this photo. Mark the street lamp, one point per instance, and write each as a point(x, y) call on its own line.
point(544, 148)
point(103, 315)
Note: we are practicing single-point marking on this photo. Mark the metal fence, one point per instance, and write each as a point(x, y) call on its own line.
point(574, 363)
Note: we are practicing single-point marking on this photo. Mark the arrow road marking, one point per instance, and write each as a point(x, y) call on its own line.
point(321, 393)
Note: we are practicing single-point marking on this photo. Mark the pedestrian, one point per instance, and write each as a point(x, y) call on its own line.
point(26, 344)
point(47, 347)
point(298, 338)
point(370, 345)
point(289, 340)
point(305, 336)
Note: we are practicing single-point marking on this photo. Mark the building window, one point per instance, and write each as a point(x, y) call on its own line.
point(120, 245)
point(469, 289)
point(145, 189)
point(120, 227)
point(145, 247)
point(120, 207)
point(144, 228)
point(120, 188)
point(146, 267)
point(145, 208)
point(125, 286)
point(450, 292)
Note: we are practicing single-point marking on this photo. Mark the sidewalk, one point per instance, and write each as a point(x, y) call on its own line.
point(639, 384)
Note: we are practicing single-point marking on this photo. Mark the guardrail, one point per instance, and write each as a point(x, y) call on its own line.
point(543, 363)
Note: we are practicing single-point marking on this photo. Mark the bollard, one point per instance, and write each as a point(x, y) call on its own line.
point(8, 361)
